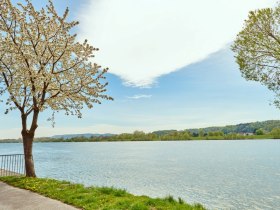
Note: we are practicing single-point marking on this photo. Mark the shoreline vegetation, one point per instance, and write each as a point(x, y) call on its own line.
point(247, 131)
point(88, 198)
point(105, 139)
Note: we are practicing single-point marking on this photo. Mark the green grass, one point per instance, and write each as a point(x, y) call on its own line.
point(105, 198)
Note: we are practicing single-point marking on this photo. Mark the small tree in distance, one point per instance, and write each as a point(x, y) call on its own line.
point(275, 133)
point(42, 66)
point(259, 132)
point(257, 49)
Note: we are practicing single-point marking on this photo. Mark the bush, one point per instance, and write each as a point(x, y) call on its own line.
point(275, 133)
point(259, 132)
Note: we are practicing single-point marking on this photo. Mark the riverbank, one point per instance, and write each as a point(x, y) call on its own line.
point(107, 139)
point(96, 197)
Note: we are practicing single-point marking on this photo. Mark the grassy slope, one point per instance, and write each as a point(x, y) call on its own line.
point(96, 197)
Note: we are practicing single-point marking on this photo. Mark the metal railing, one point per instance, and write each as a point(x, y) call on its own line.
point(12, 165)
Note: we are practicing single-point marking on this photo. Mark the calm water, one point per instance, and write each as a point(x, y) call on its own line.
point(218, 174)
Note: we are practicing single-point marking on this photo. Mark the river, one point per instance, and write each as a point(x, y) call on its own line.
point(241, 174)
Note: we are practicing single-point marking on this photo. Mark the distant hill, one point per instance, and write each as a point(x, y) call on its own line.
point(10, 141)
point(86, 135)
point(266, 126)
point(163, 132)
point(242, 128)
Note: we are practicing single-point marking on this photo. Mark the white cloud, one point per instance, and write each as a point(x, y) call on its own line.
point(139, 96)
point(141, 40)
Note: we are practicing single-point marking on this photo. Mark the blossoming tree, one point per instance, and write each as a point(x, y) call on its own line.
point(42, 66)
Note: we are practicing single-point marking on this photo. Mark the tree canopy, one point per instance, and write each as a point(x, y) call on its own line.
point(41, 63)
point(257, 49)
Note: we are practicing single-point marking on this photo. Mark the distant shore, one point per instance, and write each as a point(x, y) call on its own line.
point(269, 129)
point(107, 139)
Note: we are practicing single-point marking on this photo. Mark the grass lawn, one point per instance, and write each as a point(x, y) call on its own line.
point(96, 197)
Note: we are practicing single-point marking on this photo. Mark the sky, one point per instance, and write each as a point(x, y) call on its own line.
point(170, 64)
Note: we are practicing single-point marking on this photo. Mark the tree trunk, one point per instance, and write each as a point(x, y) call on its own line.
point(28, 137)
point(27, 146)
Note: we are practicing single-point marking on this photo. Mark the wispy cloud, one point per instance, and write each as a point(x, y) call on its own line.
point(140, 40)
point(139, 96)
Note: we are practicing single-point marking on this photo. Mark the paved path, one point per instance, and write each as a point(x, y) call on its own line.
point(12, 198)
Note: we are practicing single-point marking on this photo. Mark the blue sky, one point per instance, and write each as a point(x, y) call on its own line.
point(200, 88)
